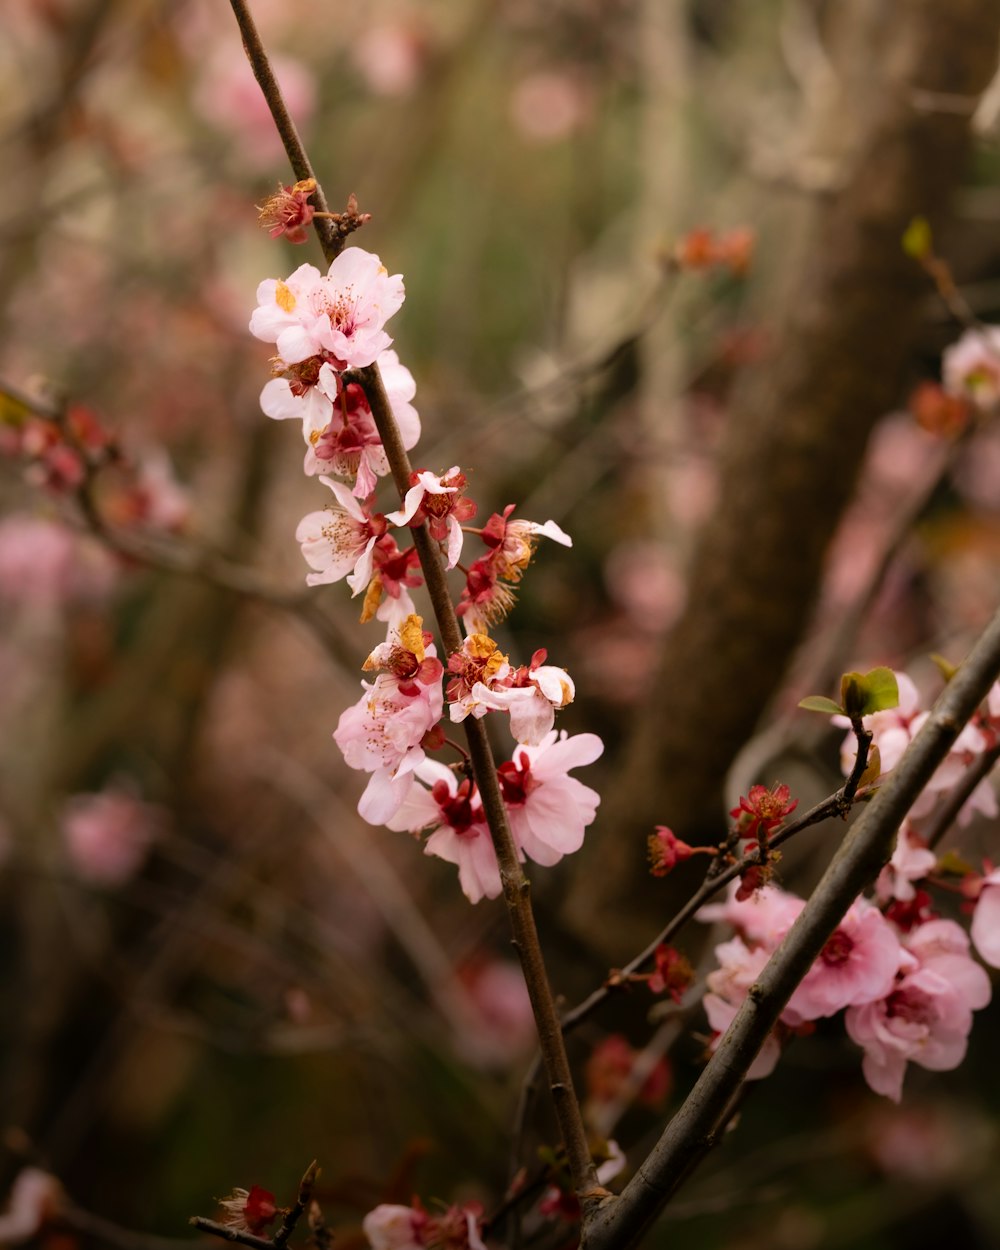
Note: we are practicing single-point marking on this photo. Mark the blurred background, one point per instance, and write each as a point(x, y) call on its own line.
point(212, 970)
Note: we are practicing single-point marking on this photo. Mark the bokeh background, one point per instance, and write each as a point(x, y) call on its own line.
point(212, 970)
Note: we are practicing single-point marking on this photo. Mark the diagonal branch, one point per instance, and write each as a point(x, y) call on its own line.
point(618, 1223)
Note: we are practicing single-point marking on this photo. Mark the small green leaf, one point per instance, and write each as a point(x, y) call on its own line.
point(944, 667)
point(865, 693)
point(820, 703)
point(918, 240)
point(954, 865)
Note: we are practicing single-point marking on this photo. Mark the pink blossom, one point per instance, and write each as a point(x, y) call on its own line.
point(549, 810)
point(393, 1227)
point(475, 669)
point(229, 97)
point(454, 812)
point(857, 965)
point(927, 1016)
point(985, 930)
point(739, 967)
point(504, 1024)
point(390, 56)
point(108, 835)
point(531, 694)
point(339, 542)
point(45, 563)
point(911, 861)
point(442, 504)
point(971, 367)
point(306, 392)
point(382, 733)
point(348, 443)
point(339, 316)
point(513, 542)
point(764, 918)
point(407, 654)
point(549, 105)
point(288, 211)
point(34, 1198)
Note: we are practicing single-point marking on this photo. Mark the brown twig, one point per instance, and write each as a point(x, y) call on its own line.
point(944, 816)
point(228, 1233)
point(516, 889)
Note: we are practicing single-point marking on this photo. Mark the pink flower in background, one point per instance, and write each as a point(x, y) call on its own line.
point(45, 563)
point(857, 965)
point(393, 1227)
point(35, 1197)
point(390, 57)
point(108, 835)
point(549, 811)
point(971, 367)
point(461, 836)
point(926, 1017)
point(505, 1024)
point(550, 105)
point(229, 98)
point(339, 316)
point(338, 542)
point(986, 919)
point(911, 861)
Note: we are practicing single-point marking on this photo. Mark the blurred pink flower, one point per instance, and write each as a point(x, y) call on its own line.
point(971, 367)
point(393, 1227)
point(228, 97)
point(550, 105)
point(34, 1198)
point(505, 1024)
point(390, 57)
point(985, 931)
point(46, 563)
point(108, 835)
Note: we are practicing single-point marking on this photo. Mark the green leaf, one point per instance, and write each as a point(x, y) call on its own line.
point(820, 703)
point(944, 667)
point(873, 769)
point(865, 693)
point(918, 240)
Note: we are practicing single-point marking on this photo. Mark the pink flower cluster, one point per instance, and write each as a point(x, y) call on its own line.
point(908, 996)
point(394, 1227)
point(324, 325)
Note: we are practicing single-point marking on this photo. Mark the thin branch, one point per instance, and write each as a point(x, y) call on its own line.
point(620, 1222)
point(945, 815)
point(228, 1233)
point(302, 1200)
point(516, 889)
point(107, 1233)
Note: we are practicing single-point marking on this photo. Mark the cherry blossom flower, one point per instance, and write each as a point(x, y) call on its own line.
point(45, 563)
point(549, 810)
point(672, 973)
point(394, 572)
point(108, 835)
point(341, 314)
point(248, 1211)
point(486, 598)
point(393, 1227)
point(453, 810)
point(985, 930)
point(971, 367)
point(762, 811)
point(504, 1023)
point(911, 861)
point(288, 212)
point(34, 1198)
point(513, 543)
point(926, 1017)
point(408, 655)
point(764, 918)
point(339, 541)
point(857, 965)
point(441, 502)
point(531, 694)
point(666, 850)
point(475, 668)
point(739, 966)
point(382, 734)
point(609, 1068)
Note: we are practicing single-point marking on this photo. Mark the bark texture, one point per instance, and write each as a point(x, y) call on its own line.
point(839, 345)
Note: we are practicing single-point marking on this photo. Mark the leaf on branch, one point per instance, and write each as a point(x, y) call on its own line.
point(820, 703)
point(943, 666)
point(862, 694)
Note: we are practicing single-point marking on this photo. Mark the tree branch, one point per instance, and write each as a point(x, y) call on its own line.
point(618, 1223)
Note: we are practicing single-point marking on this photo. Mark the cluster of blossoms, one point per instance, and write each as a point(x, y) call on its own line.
point(394, 1227)
point(324, 326)
point(901, 972)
